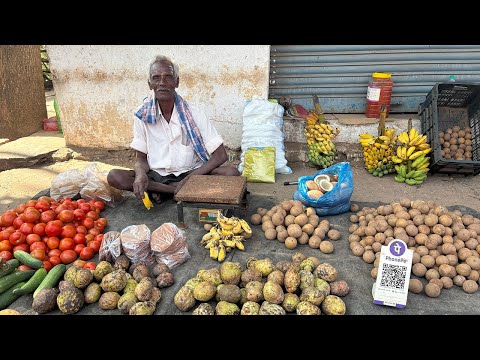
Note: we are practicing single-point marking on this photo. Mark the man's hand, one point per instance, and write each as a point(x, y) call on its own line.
point(140, 185)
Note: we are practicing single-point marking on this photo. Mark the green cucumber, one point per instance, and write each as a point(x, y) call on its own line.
point(9, 267)
point(51, 279)
point(8, 296)
point(33, 283)
point(18, 276)
point(27, 259)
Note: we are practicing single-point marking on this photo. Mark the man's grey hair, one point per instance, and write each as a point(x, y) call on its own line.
point(164, 59)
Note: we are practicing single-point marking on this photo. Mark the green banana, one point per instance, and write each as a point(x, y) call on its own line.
point(399, 179)
point(418, 161)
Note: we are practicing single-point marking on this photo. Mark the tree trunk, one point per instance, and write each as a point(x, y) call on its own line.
point(22, 95)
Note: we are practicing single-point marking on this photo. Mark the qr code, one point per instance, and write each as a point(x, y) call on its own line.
point(393, 276)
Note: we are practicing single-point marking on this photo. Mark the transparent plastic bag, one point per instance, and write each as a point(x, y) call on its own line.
point(111, 247)
point(262, 127)
point(135, 241)
point(97, 187)
point(169, 245)
point(67, 184)
point(337, 200)
point(260, 165)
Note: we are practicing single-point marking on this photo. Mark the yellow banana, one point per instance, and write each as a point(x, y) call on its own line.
point(366, 136)
point(404, 153)
point(410, 151)
point(412, 134)
point(423, 146)
point(245, 226)
point(239, 245)
point(415, 155)
point(146, 201)
point(426, 151)
point(222, 253)
point(237, 228)
point(399, 152)
point(214, 252)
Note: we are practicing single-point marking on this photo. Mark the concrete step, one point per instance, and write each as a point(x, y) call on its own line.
point(30, 150)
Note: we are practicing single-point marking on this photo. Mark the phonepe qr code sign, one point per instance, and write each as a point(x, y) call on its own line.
point(391, 287)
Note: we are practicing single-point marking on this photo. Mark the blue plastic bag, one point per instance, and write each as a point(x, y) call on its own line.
point(337, 200)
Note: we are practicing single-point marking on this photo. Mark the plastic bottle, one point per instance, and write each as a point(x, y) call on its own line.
point(379, 93)
point(451, 78)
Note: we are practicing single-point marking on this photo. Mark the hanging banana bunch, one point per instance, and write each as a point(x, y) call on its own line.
point(378, 152)
point(225, 235)
point(412, 164)
point(319, 135)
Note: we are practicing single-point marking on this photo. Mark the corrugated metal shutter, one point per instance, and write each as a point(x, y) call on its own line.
point(339, 74)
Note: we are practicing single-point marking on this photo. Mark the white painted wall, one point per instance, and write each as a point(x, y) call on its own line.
point(99, 86)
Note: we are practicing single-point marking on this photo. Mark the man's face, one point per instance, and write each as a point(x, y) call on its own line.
point(162, 81)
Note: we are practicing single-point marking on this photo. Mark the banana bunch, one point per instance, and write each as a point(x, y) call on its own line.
point(319, 135)
point(414, 172)
point(412, 162)
point(378, 151)
point(225, 236)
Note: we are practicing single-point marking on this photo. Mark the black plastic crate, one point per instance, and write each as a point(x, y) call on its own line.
point(447, 105)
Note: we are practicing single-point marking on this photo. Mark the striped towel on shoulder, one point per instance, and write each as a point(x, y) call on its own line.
point(147, 113)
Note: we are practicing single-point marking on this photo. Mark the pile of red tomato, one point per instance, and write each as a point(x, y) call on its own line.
point(54, 231)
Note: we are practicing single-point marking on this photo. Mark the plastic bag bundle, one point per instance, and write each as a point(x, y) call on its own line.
point(135, 241)
point(67, 184)
point(97, 187)
point(169, 245)
point(260, 165)
point(337, 200)
point(263, 127)
point(111, 247)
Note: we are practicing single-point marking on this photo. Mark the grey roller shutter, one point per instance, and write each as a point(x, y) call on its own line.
point(339, 74)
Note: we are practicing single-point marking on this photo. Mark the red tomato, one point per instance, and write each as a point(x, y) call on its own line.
point(31, 203)
point(99, 204)
point(39, 229)
point(5, 234)
point(81, 230)
point(79, 263)
point(47, 265)
point(87, 253)
point(47, 216)
point(18, 222)
point(54, 252)
point(54, 228)
point(6, 255)
point(93, 215)
point(98, 225)
point(42, 206)
point(88, 238)
point(79, 239)
point(78, 248)
point(68, 231)
point(88, 222)
point(95, 245)
point(85, 207)
point(66, 216)
point(7, 218)
point(5, 245)
point(99, 238)
point(26, 228)
point(90, 265)
point(79, 214)
point(38, 254)
point(45, 198)
point(54, 260)
point(60, 208)
point(68, 256)
point(103, 220)
point(32, 238)
point(17, 238)
point(38, 245)
point(66, 244)
point(94, 231)
point(31, 215)
point(20, 208)
point(24, 268)
point(23, 247)
point(53, 242)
